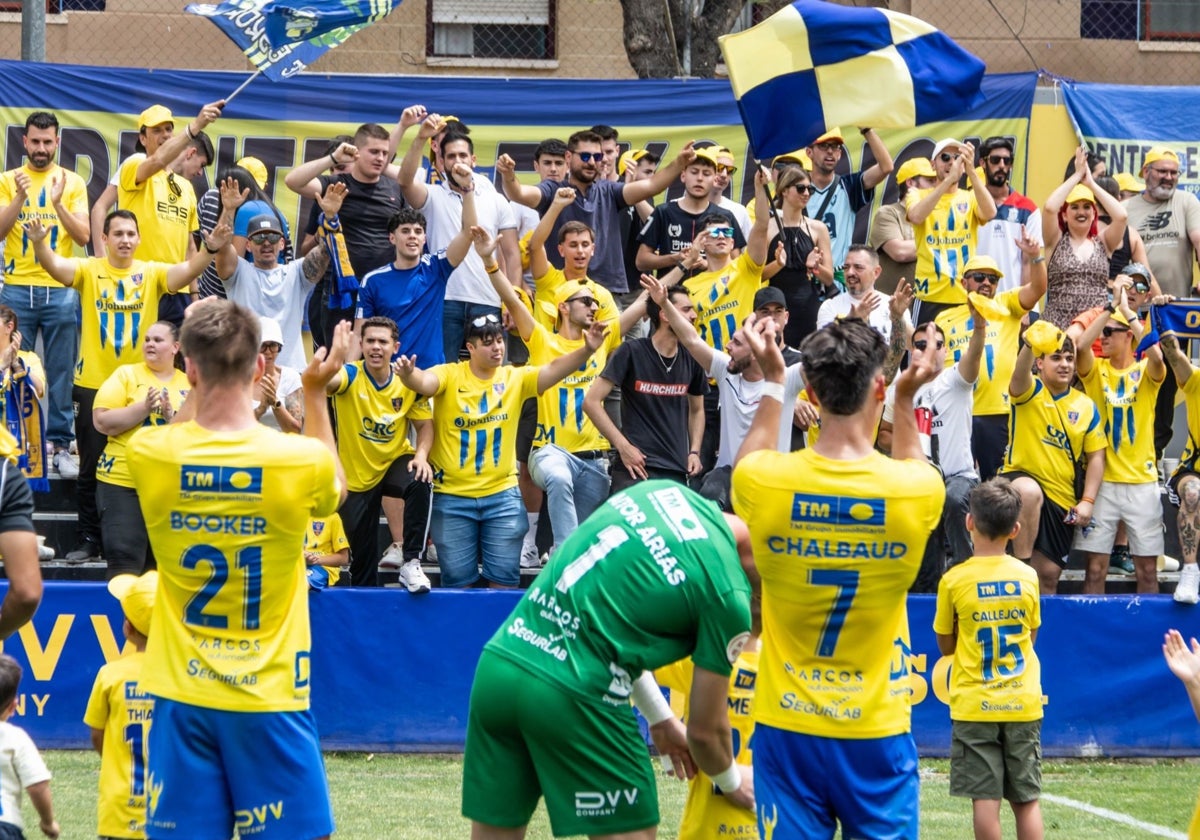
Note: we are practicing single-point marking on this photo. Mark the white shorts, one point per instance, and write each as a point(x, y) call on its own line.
point(1139, 506)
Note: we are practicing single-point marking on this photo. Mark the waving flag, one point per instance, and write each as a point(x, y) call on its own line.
point(1179, 317)
point(814, 64)
point(281, 38)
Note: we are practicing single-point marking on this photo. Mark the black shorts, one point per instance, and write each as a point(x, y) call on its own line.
point(527, 429)
point(1054, 536)
point(1173, 484)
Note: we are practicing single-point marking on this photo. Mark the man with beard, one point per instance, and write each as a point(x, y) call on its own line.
point(1168, 219)
point(44, 190)
point(674, 225)
point(835, 200)
point(597, 202)
point(1016, 215)
point(861, 300)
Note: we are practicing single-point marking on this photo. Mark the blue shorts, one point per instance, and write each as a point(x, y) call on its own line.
point(213, 770)
point(804, 785)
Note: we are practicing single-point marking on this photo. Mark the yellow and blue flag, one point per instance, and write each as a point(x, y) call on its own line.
point(815, 64)
point(281, 38)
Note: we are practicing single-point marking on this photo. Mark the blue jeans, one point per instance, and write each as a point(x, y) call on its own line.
point(574, 486)
point(466, 530)
point(54, 311)
point(456, 314)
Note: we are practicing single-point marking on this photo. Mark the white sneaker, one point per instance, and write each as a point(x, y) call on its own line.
point(431, 552)
point(393, 558)
point(413, 577)
point(1188, 590)
point(529, 556)
point(65, 464)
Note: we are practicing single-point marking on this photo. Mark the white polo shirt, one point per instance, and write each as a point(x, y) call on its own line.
point(443, 218)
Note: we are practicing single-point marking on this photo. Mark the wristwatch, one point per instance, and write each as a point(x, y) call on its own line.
point(278, 404)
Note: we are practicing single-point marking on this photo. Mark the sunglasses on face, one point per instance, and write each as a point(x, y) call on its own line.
point(1108, 332)
point(587, 300)
point(946, 157)
point(1141, 288)
point(590, 157)
point(266, 238)
point(980, 277)
point(720, 232)
point(482, 320)
point(726, 169)
point(804, 189)
point(997, 160)
point(829, 146)
point(270, 347)
point(920, 344)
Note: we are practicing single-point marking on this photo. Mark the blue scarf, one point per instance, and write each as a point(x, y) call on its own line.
point(345, 284)
point(24, 420)
point(1180, 317)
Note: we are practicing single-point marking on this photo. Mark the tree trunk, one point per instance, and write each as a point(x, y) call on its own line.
point(657, 30)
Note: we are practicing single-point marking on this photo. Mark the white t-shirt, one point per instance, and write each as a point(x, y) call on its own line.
point(289, 383)
point(279, 294)
point(20, 766)
point(739, 402)
point(443, 217)
point(840, 306)
point(946, 404)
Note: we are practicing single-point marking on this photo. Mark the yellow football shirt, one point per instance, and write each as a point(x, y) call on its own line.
point(996, 675)
point(1126, 400)
point(945, 242)
point(707, 813)
point(21, 267)
point(327, 535)
point(546, 313)
point(561, 419)
point(837, 543)
point(121, 708)
point(475, 428)
point(724, 299)
point(999, 350)
point(1191, 398)
point(165, 206)
point(118, 306)
point(128, 385)
point(372, 421)
point(226, 513)
point(1045, 434)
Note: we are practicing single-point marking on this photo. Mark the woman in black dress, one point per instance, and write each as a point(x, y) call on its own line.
point(801, 266)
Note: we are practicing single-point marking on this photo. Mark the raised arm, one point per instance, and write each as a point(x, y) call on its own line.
point(180, 274)
point(899, 304)
point(968, 365)
point(660, 180)
point(513, 188)
point(76, 224)
point(985, 205)
point(1084, 359)
point(415, 191)
point(457, 248)
point(305, 179)
point(61, 269)
point(231, 199)
point(1035, 289)
point(1050, 231)
point(921, 209)
point(906, 440)
point(326, 363)
point(539, 264)
point(421, 381)
point(875, 175)
point(485, 246)
point(177, 143)
point(759, 238)
point(1180, 366)
point(1022, 377)
point(99, 213)
point(1118, 217)
point(764, 428)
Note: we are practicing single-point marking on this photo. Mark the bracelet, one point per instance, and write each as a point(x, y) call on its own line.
point(649, 699)
point(774, 390)
point(1088, 499)
point(187, 129)
point(728, 780)
point(333, 160)
point(210, 250)
point(492, 269)
point(1038, 259)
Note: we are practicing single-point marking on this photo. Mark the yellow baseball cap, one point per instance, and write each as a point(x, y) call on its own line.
point(1080, 193)
point(136, 594)
point(980, 262)
point(155, 115)
point(564, 293)
point(707, 155)
point(915, 168)
point(256, 168)
point(799, 156)
point(1128, 183)
point(1156, 154)
point(834, 133)
point(631, 157)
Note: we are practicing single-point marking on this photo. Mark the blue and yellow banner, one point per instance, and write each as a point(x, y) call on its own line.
point(1121, 122)
point(367, 697)
point(286, 123)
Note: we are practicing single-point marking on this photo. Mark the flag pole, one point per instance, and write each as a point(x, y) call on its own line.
point(242, 86)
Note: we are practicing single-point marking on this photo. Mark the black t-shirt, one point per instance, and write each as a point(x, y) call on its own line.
point(670, 229)
point(654, 400)
point(364, 215)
